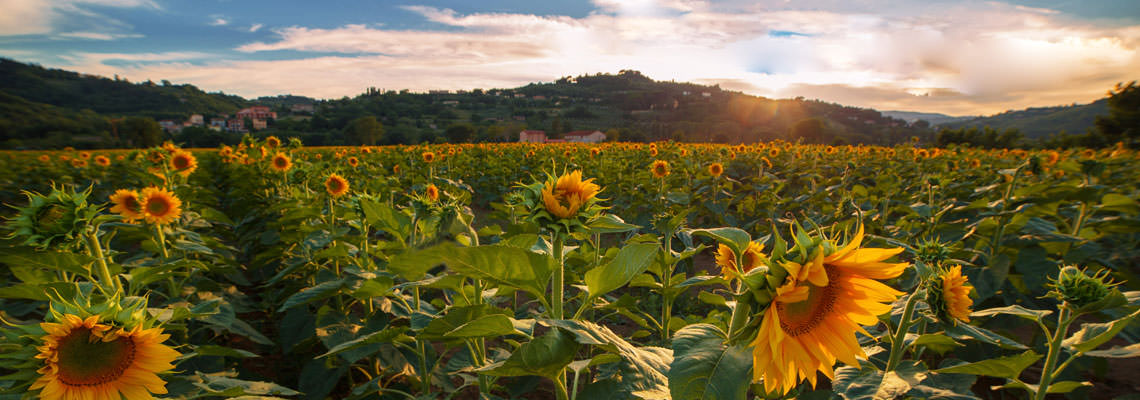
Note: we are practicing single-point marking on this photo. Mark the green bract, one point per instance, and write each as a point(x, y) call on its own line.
point(58, 218)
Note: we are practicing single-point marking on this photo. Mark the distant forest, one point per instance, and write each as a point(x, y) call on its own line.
point(48, 108)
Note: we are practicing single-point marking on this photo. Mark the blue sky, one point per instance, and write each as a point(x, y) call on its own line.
point(955, 57)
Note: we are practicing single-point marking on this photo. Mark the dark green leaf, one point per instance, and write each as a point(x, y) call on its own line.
point(705, 368)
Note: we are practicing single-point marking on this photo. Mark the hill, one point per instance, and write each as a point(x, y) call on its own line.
point(74, 91)
point(628, 106)
point(932, 118)
point(1041, 122)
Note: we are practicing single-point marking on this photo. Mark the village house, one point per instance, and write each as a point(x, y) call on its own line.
point(585, 136)
point(197, 120)
point(256, 112)
point(531, 136)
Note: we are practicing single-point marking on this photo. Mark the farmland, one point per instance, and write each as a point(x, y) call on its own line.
point(569, 271)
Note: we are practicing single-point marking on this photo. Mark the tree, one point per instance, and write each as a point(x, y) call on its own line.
point(810, 129)
point(140, 132)
point(1123, 120)
point(459, 133)
point(364, 131)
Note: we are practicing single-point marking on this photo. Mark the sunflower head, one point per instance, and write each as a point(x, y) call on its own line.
point(353, 162)
point(336, 185)
point(716, 169)
point(660, 168)
point(563, 203)
point(432, 193)
point(822, 292)
point(933, 252)
point(948, 294)
point(102, 161)
point(57, 219)
point(564, 196)
point(103, 351)
point(160, 206)
point(127, 204)
point(183, 162)
point(428, 157)
point(281, 162)
point(726, 259)
point(272, 142)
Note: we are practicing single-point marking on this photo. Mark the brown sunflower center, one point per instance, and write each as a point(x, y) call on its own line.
point(157, 206)
point(335, 185)
point(800, 318)
point(88, 361)
point(281, 162)
point(181, 163)
point(131, 203)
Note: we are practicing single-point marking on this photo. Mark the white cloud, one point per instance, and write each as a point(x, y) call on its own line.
point(218, 20)
point(42, 17)
point(255, 28)
point(98, 35)
point(952, 57)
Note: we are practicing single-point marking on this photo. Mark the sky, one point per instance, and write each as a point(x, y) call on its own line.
point(957, 57)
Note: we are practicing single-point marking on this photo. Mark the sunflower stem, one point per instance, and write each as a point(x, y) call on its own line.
point(556, 290)
point(96, 250)
point(900, 334)
point(161, 241)
point(1063, 321)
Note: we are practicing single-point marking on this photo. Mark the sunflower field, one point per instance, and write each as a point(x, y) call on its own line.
point(569, 271)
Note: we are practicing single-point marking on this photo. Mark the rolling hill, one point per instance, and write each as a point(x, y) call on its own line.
point(1041, 122)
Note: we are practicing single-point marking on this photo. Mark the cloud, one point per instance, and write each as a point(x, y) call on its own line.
point(98, 35)
point(255, 27)
point(946, 56)
point(43, 17)
point(218, 20)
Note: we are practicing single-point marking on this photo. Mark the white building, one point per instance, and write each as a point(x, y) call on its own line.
point(585, 136)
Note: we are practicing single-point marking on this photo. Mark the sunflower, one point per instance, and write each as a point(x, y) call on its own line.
point(660, 168)
point(353, 162)
point(86, 359)
point(102, 161)
point(336, 185)
point(44, 158)
point(715, 169)
point(281, 162)
point(79, 163)
point(160, 206)
point(564, 196)
point(428, 157)
point(767, 162)
point(396, 169)
point(127, 204)
point(726, 259)
point(86, 155)
point(273, 142)
point(773, 152)
point(955, 293)
point(595, 152)
point(183, 163)
point(432, 193)
point(813, 318)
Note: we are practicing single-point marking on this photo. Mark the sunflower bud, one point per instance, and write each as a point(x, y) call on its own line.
point(57, 218)
point(1076, 287)
point(933, 253)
